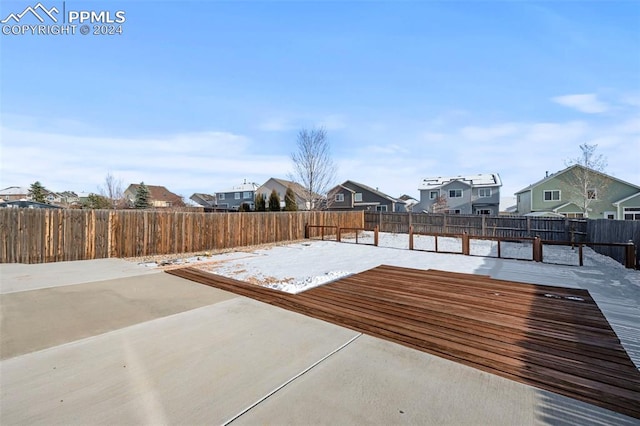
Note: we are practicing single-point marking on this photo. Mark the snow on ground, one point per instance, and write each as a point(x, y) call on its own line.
point(302, 265)
point(299, 266)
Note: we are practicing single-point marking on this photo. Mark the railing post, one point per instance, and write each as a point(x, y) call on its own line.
point(580, 261)
point(630, 255)
point(465, 243)
point(375, 236)
point(410, 237)
point(499, 254)
point(537, 249)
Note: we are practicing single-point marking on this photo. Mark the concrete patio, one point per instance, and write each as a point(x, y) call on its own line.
point(82, 344)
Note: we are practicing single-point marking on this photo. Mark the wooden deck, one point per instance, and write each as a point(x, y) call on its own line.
point(552, 338)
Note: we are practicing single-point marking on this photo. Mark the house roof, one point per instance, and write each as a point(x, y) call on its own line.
point(158, 193)
point(246, 186)
point(616, 203)
point(200, 198)
point(14, 190)
point(405, 197)
point(297, 189)
point(556, 174)
point(479, 180)
point(343, 187)
point(375, 191)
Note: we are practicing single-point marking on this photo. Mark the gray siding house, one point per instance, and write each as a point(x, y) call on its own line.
point(471, 194)
point(233, 198)
point(352, 195)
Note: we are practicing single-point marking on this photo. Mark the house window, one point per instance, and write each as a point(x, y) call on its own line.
point(381, 208)
point(609, 215)
point(552, 195)
point(358, 197)
point(632, 213)
point(433, 195)
point(484, 192)
point(220, 196)
point(247, 195)
point(592, 194)
point(483, 211)
point(455, 193)
point(456, 211)
point(339, 198)
point(237, 195)
point(574, 215)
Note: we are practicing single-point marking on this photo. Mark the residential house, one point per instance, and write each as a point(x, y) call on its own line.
point(280, 186)
point(69, 198)
point(233, 198)
point(159, 196)
point(409, 202)
point(606, 197)
point(469, 194)
point(14, 193)
point(351, 195)
point(204, 200)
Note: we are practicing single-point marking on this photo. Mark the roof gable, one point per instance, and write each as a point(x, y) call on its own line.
point(299, 190)
point(563, 171)
point(369, 189)
point(158, 193)
point(630, 197)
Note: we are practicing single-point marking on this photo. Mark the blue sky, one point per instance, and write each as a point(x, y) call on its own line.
point(198, 96)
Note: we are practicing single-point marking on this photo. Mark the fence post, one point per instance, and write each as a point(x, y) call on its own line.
point(338, 234)
point(465, 243)
point(306, 231)
point(630, 255)
point(410, 237)
point(375, 236)
point(537, 249)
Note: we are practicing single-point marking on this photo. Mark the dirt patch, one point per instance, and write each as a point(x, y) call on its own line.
point(173, 260)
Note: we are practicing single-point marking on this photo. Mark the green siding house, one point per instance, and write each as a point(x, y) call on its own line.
point(581, 192)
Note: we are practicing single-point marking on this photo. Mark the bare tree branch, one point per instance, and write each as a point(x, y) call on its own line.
point(313, 166)
point(112, 190)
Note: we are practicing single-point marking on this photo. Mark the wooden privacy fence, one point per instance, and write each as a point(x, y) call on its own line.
point(558, 229)
point(47, 235)
point(616, 231)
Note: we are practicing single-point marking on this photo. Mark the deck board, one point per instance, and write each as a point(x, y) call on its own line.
point(553, 338)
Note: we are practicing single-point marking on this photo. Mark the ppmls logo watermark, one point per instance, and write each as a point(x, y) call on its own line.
point(58, 20)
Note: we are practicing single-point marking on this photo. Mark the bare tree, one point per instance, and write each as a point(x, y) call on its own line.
point(440, 205)
point(313, 165)
point(112, 190)
point(587, 182)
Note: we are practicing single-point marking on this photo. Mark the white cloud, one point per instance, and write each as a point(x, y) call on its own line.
point(587, 103)
point(184, 163)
